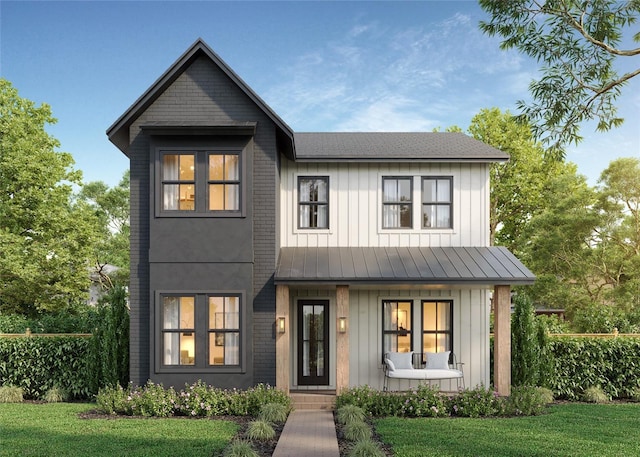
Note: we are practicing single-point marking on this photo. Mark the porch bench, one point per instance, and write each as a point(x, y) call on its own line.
point(431, 366)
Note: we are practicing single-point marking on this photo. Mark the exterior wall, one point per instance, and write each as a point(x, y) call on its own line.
point(202, 253)
point(471, 311)
point(355, 215)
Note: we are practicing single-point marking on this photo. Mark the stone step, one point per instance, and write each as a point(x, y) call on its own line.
point(315, 400)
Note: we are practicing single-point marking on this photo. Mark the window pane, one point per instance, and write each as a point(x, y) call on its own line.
point(187, 312)
point(429, 343)
point(404, 186)
point(232, 349)
point(444, 191)
point(443, 316)
point(390, 190)
point(232, 197)
point(231, 167)
point(389, 312)
point(170, 196)
point(428, 216)
point(187, 197)
point(216, 312)
point(170, 167)
point(216, 197)
point(305, 216)
point(216, 167)
point(444, 216)
point(405, 216)
point(187, 349)
point(322, 217)
point(429, 316)
point(187, 168)
point(232, 313)
point(322, 190)
point(428, 190)
point(171, 312)
point(171, 350)
point(391, 216)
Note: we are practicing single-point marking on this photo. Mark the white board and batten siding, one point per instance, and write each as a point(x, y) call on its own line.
point(355, 205)
point(355, 220)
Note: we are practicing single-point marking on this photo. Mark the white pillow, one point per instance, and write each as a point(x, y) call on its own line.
point(401, 360)
point(390, 365)
point(437, 360)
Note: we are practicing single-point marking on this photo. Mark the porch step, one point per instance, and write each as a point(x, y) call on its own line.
point(316, 400)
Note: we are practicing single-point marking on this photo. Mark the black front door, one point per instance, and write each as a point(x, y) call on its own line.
point(313, 343)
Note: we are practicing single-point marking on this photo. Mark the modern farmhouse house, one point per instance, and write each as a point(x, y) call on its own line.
point(262, 255)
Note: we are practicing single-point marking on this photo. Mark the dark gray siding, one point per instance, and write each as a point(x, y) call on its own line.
point(209, 249)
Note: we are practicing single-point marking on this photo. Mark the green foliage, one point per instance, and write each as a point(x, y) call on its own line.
point(526, 401)
point(113, 400)
point(349, 413)
point(425, 401)
point(578, 363)
point(275, 413)
point(78, 319)
point(260, 430)
point(357, 431)
point(38, 364)
point(109, 346)
point(525, 347)
point(365, 448)
point(11, 394)
point(595, 394)
point(577, 44)
point(477, 402)
point(56, 395)
point(47, 238)
point(240, 448)
point(635, 395)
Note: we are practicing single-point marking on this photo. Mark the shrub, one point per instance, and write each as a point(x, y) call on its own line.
point(152, 400)
point(200, 400)
point(357, 431)
point(275, 413)
point(365, 448)
point(260, 430)
point(546, 395)
point(349, 413)
point(240, 448)
point(113, 400)
point(525, 401)
point(56, 395)
point(11, 394)
point(362, 396)
point(478, 402)
point(595, 394)
point(425, 401)
point(525, 343)
point(635, 395)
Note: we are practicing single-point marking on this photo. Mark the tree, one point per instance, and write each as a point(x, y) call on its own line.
point(578, 43)
point(111, 206)
point(45, 238)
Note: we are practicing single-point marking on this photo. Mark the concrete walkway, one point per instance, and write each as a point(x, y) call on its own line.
point(308, 433)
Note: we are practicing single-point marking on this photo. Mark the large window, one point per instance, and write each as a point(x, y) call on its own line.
point(397, 202)
point(313, 202)
point(200, 182)
point(200, 330)
point(437, 196)
point(396, 326)
point(437, 322)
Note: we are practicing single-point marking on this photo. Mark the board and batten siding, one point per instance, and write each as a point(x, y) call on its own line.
point(470, 333)
point(355, 205)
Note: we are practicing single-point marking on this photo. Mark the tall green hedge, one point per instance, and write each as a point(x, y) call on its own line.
point(38, 364)
point(580, 363)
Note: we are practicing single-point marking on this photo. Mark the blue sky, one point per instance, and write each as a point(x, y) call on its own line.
point(322, 66)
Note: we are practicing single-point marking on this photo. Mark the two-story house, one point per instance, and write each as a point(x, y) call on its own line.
point(298, 259)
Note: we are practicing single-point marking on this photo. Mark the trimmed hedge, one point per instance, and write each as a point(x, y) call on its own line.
point(580, 363)
point(37, 364)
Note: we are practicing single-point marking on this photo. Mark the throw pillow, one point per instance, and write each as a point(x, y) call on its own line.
point(401, 360)
point(390, 365)
point(438, 360)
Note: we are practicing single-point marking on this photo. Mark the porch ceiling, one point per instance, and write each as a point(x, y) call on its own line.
point(479, 266)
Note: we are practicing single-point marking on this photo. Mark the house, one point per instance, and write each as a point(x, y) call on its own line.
point(262, 255)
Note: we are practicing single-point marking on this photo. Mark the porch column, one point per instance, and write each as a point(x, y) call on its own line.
point(283, 340)
point(502, 339)
point(342, 343)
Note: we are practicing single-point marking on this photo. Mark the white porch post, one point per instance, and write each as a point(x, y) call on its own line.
point(342, 339)
point(283, 340)
point(502, 339)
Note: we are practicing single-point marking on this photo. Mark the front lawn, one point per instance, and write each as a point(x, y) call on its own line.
point(53, 429)
point(567, 430)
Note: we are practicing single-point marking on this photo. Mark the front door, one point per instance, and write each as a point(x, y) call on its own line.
point(313, 343)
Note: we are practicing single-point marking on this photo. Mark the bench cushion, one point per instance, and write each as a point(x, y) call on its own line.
point(424, 374)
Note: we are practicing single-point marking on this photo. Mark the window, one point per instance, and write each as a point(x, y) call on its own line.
point(200, 182)
point(396, 202)
point(437, 197)
point(313, 202)
point(396, 326)
point(200, 330)
point(437, 321)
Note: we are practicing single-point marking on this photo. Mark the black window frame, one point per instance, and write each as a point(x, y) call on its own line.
point(312, 203)
point(399, 203)
point(448, 332)
point(436, 203)
point(405, 332)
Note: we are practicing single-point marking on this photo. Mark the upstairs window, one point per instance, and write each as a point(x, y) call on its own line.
point(437, 200)
point(224, 182)
point(178, 182)
point(397, 202)
point(313, 202)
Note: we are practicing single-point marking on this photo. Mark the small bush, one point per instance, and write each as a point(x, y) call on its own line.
point(240, 448)
point(525, 401)
point(595, 394)
point(425, 401)
point(478, 402)
point(56, 395)
point(357, 431)
point(365, 448)
point(275, 413)
point(546, 395)
point(11, 394)
point(349, 413)
point(260, 430)
point(113, 400)
point(635, 395)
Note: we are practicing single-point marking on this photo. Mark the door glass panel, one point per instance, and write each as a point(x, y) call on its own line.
point(312, 358)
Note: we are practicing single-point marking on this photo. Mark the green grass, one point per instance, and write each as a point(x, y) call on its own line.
point(54, 429)
point(567, 430)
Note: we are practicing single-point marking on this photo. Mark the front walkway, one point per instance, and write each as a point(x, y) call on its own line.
point(308, 433)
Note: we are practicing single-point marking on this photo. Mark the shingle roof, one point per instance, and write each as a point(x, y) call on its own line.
point(493, 265)
point(404, 146)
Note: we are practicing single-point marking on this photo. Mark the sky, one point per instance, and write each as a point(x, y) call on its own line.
point(321, 66)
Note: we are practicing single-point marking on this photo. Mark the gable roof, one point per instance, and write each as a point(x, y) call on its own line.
point(118, 133)
point(397, 146)
point(494, 265)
